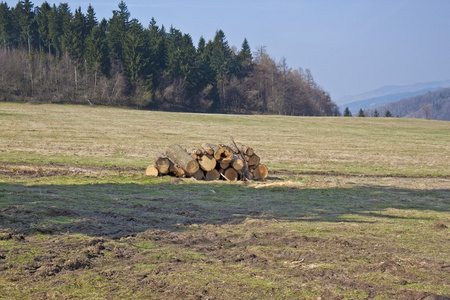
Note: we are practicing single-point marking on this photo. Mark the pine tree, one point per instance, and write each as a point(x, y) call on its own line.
point(64, 29)
point(6, 26)
point(222, 64)
point(188, 58)
point(347, 112)
point(55, 30)
point(97, 52)
point(205, 74)
point(43, 18)
point(157, 52)
point(244, 60)
point(376, 114)
point(220, 59)
point(117, 28)
point(361, 113)
point(134, 52)
point(91, 20)
point(174, 53)
point(75, 37)
point(388, 114)
point(24, 14)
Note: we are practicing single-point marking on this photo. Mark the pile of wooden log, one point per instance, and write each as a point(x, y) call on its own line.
point(210, 162)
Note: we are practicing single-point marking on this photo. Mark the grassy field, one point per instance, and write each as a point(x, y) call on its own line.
point(354, 208)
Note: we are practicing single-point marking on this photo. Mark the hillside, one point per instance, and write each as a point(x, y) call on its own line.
point(432, 105)
point(387, 94)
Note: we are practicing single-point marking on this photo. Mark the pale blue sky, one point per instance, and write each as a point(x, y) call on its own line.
point(351, 46)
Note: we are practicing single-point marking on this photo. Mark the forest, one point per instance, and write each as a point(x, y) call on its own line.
point(49, 54)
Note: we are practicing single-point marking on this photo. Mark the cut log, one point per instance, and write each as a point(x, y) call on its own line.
point(224, 164)
point(244, 149)
point(237, 163)
point(151, 171)
point(210, 148)
point(180, 157)
point(192, 153)
point(199, 175)
point(260, 172)
point(233, 148)
point(207, 162)
point(253, 160)
point(231, 174)
point(212, 175)
point(224, 153)
point(162, 163)
point(176, 170)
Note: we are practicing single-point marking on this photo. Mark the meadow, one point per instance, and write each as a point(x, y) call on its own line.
point(354, 208)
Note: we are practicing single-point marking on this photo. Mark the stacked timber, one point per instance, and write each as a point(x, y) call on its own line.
point(231, 162)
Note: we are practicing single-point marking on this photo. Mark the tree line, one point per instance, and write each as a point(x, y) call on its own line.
point(51, 54)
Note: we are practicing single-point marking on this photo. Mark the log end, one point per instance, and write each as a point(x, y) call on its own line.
point(212, 175)
point(151, 171)
point(261, 172)
point(192, 167)
point(231, 174)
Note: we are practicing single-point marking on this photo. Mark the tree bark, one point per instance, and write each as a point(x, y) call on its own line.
point(244, 149)
point(180, 157)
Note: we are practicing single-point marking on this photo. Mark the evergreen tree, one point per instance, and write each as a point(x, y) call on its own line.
point(97, 52)
point(157, 52)
point(361, 113)
point(6, 26)
point(75, 37)
point(117, 28)
point(347, 112)
point(134, 47)
point(376, 114)
point(24, 15)
point(205, 74)
point(222, 64)
point(244, 60)
point(188, 58)
point(221, 60)
point(64, 29)
point(43, 18)
point(91, 20)
point(388, 114)
point(173, 57)
point(55, 30)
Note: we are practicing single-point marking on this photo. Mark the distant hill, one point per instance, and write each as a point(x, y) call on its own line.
point(434, 105)
point(388, 94)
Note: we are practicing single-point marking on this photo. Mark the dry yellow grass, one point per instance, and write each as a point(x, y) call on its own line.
point(110, 136)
